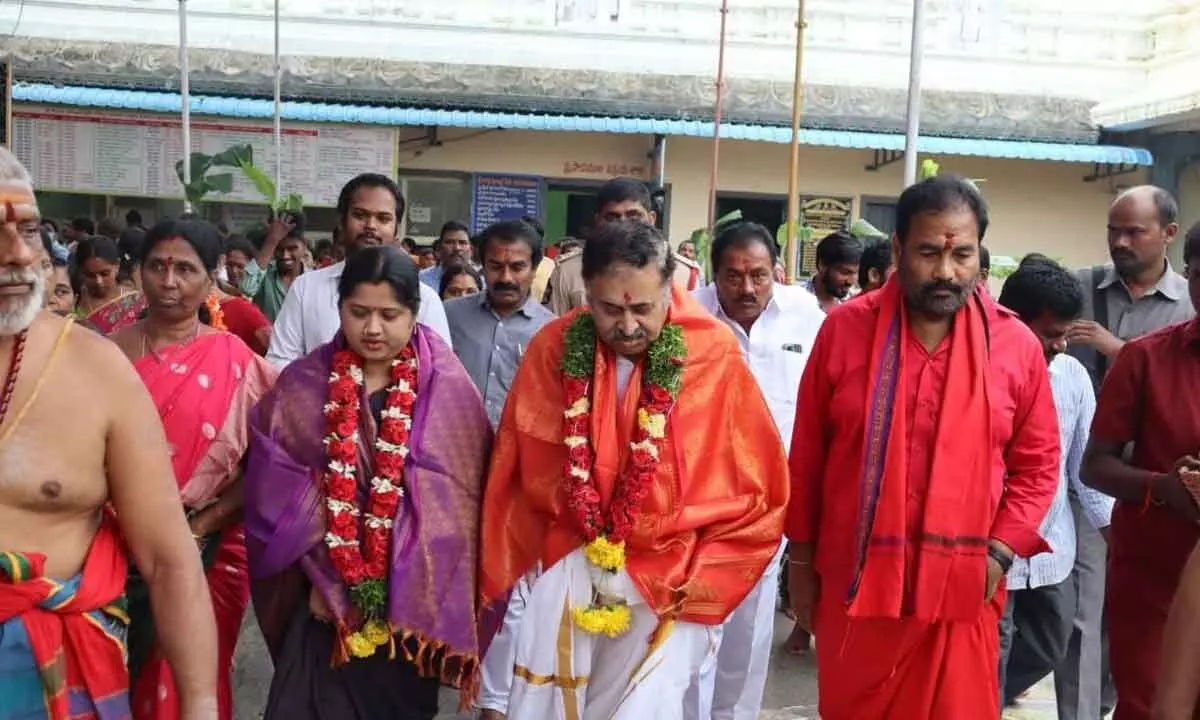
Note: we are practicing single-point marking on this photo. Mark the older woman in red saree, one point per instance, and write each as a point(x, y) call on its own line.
point(204, 382)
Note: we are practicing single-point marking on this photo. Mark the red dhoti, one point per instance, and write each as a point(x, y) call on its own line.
point(908, 669)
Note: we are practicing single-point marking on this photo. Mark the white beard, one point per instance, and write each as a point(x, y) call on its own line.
point(18, 313)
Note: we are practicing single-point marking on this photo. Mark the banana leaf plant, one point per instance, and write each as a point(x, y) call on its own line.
point(931, 168)
point(702, 240)
point(865, 231)
point(803, 236)
point(238, 157)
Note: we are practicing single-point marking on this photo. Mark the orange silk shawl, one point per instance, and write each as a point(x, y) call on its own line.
point(714, 518)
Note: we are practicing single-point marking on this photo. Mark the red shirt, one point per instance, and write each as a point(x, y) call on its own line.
point(244, 319)
point(827, 443)
point(1148, 399)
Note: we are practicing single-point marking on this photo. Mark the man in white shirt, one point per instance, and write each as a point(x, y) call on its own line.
point(1035, 632)
point(370, 208)
point(775, 325)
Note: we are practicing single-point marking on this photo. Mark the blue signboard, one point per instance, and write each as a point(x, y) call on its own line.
point(504, 197)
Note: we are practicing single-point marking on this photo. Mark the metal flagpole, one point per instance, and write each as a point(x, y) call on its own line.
point(912, 134)
point(185, 96)
point(278, 108)
point(716, 148)
point(793, 207)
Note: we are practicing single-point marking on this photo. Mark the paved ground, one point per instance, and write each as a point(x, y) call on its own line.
point(791, 689)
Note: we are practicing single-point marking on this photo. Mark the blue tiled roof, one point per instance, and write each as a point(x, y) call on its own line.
point(424, 117)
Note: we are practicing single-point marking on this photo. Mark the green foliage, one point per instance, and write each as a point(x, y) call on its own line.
point(370, 596)
point(803, 237)
point(931, 168)
point(579, 353)
point(702, 240)
point(864, 230)
point(202, 182)
point(239, 157)
point(664, 359)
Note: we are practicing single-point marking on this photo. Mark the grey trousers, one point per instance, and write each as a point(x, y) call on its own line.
point(1082, 682)
point(1034, 635)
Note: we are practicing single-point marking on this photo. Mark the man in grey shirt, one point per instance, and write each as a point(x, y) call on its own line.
point(494, 327)
point(1136, 294)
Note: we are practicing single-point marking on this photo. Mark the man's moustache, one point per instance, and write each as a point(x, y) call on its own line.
point(618, 335)
point(936, 287)
point(505, 287)
point(13, 276)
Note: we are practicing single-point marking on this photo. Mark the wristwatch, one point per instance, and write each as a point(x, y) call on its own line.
point(1004, 561)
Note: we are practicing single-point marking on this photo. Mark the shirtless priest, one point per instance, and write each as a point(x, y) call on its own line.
point(78, 432)
point(638, 482)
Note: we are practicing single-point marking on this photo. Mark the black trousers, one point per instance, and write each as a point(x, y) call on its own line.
point(1035, 633)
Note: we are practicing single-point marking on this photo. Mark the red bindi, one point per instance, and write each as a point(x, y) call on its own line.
point(10, 213)
point(949, 243)
point(628, 298)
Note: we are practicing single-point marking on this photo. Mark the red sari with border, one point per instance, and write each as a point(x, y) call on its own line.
point(204, 391)
point(117, 314)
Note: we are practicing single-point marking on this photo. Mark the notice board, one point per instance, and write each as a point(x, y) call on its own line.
point(135, 155)
point(504, 197)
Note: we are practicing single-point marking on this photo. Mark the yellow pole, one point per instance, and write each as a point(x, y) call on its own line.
point(8, 121)
point(793, 215)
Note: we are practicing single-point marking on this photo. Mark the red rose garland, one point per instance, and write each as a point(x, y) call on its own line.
point(604, 537)
point(364, 567)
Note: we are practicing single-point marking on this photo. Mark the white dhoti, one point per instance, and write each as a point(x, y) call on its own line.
point(729, 685)
point(497, 670)
point(562, 673)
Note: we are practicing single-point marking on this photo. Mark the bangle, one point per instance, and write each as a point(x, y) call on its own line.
point(1004, 561)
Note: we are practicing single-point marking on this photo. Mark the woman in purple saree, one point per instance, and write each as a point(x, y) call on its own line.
point(314, 626)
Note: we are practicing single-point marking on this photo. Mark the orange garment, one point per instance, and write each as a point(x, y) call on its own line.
point(712, 521)
point(904, 463)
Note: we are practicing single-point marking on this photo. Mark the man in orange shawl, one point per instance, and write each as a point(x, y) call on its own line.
point(924, 455)
point(637, 481)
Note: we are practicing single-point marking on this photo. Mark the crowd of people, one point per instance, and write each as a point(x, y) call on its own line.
point(574, 480)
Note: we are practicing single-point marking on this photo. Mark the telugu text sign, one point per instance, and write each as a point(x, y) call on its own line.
point(504, 197)
point(136, 155)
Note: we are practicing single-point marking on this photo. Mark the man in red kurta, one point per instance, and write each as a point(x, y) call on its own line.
point(925, 454)
point(1148, 399)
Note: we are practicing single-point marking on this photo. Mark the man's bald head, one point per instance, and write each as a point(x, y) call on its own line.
point(1142, 222)
point(1164, 203)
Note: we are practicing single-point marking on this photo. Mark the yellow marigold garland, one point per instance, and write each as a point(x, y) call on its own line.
point(375, 634)
point(606, 555)
point(610, 620)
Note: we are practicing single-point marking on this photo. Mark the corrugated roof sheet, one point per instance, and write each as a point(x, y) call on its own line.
point(422, 117)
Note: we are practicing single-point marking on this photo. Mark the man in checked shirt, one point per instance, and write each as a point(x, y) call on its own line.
point(1036, 629)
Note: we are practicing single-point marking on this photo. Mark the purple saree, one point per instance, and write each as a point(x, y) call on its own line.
point(432, 584)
